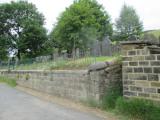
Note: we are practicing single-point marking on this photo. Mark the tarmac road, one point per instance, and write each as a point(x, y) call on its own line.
point(17, 105)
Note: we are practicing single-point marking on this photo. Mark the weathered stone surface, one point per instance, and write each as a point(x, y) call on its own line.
point(139, 47)
point(143, 63)
point(138, 69)
point(125, 63)
point(133, 63)
point(150, 90)
point(73, 84)
point(143, 94)
point(155, 96)
point(158, 57)
point(125, 77)
point(142, 83)
point(155, 63)
point(139, 52)
point(154, 49)
point(156, 69)
point(124, 52)
point(138, 77)
point(127, 47)
point(128, 69)
point(150, 57)
point(129, 93)
point(126, 88)
point(98, 66)
point(153, 77)
point(131, 52)
point(155, 84)
point(142, 52)
point(138, 58)
point(142, 75)
point(127, 58)
point(134, 88)
point(128, 82)
point(147, 70)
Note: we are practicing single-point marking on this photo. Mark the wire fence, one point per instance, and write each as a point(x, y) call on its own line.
point(48, 62)
point(78, 59)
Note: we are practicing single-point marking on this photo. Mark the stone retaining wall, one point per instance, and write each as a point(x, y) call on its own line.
point(73, 84)
point(141, 69)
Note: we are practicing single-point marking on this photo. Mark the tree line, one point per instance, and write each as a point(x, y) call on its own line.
point(83, 22)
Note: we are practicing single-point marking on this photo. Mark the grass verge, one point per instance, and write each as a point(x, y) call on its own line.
point(11, 82)
point(138, 109)
point(128, 109)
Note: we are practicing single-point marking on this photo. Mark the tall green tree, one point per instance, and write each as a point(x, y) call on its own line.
point(80, 24)
point(3, 50)
point(22, 26)
point(128, 25)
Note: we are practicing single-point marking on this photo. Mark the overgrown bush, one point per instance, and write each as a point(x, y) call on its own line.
point(139, 109)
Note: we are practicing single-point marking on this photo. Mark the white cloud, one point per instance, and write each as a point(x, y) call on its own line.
point(148, 10)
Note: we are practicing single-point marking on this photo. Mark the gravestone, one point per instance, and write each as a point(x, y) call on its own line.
point(95, 49)
point(106, 47)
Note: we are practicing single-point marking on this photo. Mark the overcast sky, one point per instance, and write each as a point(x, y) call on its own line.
point(148, 10)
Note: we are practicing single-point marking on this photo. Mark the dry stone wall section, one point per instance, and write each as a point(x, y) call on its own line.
point(79, 85)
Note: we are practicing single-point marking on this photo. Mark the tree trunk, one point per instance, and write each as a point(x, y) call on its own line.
point(19, 55)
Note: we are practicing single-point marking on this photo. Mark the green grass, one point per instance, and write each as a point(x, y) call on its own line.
point(127, 109)
point(109, 100)
point(138, 109)
point(81, 63)
point(9, 81)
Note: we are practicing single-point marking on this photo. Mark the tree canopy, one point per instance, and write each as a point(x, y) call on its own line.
point(128, 25)
point(80, 24)
point(21, 26)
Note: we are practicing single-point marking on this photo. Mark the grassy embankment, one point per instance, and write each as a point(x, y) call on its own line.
point(81, 63)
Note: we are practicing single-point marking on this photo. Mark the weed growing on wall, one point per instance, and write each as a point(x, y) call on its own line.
point(9, 81)
point(109, 100)
point(113, 93)
point(27, 76)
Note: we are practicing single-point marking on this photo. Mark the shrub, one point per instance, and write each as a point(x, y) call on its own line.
point(138, 108)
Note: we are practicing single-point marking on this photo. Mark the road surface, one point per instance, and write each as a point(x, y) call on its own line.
point(17, 105)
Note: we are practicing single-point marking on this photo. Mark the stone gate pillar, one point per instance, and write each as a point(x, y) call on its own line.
point(141, 69)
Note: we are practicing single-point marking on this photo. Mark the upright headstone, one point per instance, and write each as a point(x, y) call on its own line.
point(106, 47)
point(95, 49)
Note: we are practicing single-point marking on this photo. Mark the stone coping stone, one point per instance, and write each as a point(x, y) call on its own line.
point(147, 42)
point(98, 66)
point(154, 48)
point(45, 71)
